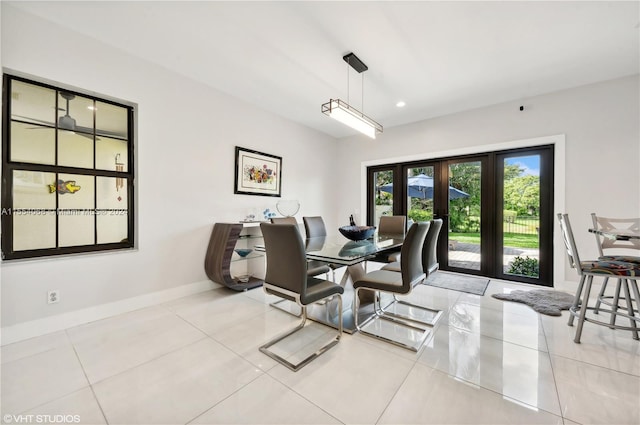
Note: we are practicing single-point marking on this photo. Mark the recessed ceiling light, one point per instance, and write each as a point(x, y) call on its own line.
point(400, 104)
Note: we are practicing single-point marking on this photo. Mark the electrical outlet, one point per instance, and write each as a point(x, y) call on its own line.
point(53, 296)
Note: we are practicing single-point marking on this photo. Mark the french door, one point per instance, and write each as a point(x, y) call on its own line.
point(496, 209)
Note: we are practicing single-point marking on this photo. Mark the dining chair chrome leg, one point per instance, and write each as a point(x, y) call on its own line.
point(381, 314)
point(297, 366)
point(576, 300)
point(356, 310)
point(277, 303)
point(432, 322)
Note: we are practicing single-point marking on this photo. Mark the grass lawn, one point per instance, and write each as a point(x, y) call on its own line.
point(513, 240)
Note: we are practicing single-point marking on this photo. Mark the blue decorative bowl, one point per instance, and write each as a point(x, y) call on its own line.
point(243, 252)
point(357, 233)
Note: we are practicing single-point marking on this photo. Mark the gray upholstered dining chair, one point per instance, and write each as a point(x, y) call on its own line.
point(587, 270)
point(614, 247)
point(287, 277)
point(386, 281)
point(390, 225)
point(430, 262)
point(284, 220)
point(429, 254)
point(314, 268)
point(315, 228)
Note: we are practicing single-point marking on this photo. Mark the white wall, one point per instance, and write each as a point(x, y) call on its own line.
point(601, 124)
point(185, 166)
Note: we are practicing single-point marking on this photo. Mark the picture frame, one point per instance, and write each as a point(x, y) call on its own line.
point(257, 173)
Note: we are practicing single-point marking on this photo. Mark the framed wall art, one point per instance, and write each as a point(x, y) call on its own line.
point(257, 173)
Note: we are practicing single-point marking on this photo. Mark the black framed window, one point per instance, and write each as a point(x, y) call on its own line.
point(67, 171)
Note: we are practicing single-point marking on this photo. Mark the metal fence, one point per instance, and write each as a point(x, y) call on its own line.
point(525, 225)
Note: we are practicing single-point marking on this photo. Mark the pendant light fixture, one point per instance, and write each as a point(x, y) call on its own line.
point(347, 114)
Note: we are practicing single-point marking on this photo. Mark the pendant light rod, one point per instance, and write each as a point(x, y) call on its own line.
point(347, 79)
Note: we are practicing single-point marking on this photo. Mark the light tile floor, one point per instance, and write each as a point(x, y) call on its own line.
point(196, 360)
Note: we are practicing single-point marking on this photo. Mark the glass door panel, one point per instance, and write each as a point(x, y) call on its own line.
point(383, 198)
point(464, 214)
point(497, 209)
point(521, 216)
point(420, 190)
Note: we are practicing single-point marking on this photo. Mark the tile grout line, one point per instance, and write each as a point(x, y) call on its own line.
point(95, 397)
point(596, 365)
point(395, 393)
point(553, 373)
point(148, 361)
point(63, 395)
point(507, 342)
point(211, 337)
point(497, 392)
point(586, 362)
point(320, 407)
point(225, 398)
point(205, 336)
point(298, 394)
point(466, 382)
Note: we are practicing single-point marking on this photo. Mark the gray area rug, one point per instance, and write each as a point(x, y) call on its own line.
point(543, 301)
point(458, 282)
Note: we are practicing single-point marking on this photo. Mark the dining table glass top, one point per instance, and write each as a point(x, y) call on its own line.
point(338, 249)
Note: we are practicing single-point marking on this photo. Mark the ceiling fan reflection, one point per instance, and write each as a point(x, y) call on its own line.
point(67, 122)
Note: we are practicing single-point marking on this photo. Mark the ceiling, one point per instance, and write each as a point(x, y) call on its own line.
point(438, 57)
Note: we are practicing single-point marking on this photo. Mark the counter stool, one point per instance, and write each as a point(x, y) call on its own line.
point(626, 272)
point(606, 245)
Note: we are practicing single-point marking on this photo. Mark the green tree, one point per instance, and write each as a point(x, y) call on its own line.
point(512, 171)
point(466, 177)
point(522, 194)
point(382, 178)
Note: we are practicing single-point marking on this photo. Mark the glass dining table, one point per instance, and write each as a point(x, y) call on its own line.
point(339, 251)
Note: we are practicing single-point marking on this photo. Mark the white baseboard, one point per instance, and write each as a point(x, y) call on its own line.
point(33, 328)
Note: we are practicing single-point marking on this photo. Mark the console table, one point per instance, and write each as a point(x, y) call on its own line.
point(221, 256)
